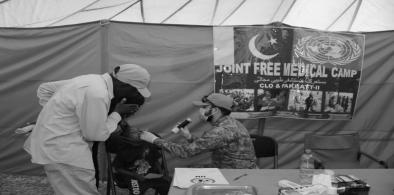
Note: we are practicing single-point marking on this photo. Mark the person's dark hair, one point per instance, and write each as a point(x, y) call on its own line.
point(123, 90)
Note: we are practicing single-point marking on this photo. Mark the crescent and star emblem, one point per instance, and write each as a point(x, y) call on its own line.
point(256, 52)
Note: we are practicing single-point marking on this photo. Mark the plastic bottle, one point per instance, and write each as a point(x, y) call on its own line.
point(306, 168)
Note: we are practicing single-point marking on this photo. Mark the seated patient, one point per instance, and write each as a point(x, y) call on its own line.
point(137, 164)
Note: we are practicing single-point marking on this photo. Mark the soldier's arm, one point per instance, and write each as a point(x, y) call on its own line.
point(207, 142)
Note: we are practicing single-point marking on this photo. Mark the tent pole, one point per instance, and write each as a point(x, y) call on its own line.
point(340, 15)
point(355, 14)
point(124, 10)
point(232, 12)
point(73, 13)
point(277, 10)
point(3, 1)
point(287, 12)
point(176, 11)
point(142, 11)
point(214, 11)
point(104, 45)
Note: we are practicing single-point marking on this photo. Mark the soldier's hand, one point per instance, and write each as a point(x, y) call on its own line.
point(185, 132)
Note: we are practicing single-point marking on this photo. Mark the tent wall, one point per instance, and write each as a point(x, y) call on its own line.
point(28, 58)
point(180, 60)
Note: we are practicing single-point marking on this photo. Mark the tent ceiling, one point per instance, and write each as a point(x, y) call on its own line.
point(335, 15)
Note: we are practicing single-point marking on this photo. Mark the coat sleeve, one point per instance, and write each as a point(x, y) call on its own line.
point(96, 124)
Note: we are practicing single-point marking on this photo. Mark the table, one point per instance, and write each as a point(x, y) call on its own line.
point(266, 180)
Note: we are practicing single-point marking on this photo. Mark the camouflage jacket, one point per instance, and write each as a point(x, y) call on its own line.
point(229, 142)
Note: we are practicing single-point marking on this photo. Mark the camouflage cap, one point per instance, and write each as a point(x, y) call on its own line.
point(217, 99)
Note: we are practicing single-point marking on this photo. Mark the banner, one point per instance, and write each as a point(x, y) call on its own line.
point(288, 72)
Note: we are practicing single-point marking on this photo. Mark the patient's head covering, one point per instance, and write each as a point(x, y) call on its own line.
point(132, 134)
point(135, 76)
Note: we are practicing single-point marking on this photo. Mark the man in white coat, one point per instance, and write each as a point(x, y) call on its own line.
point(77, 112)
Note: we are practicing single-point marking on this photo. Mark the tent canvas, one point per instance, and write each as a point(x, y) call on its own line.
point(333, 15)
point(47, 46)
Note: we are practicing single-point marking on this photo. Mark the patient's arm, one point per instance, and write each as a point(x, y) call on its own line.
point(153, 176)
point(132, 174)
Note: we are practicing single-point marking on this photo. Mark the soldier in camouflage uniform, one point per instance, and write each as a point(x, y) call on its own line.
point(229, 140)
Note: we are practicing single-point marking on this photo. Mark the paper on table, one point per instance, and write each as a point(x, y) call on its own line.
point(185, 177)
point(322, 179)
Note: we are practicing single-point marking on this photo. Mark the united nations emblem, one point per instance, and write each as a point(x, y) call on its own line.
point(327, 48)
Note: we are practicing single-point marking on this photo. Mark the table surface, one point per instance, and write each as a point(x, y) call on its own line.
point(266, 180)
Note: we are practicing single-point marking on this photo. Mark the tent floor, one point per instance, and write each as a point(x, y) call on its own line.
point(30, 185)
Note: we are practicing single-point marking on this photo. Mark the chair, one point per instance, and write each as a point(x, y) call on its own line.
point(112, 150)
point(339, 151)
point(390, 162)
point(265, 146)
